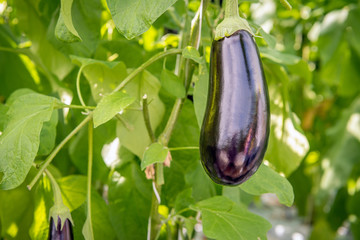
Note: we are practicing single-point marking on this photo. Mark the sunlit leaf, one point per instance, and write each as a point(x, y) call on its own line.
point(266, 180)
point(133, 17)
point(225, 220)
point(20, 140)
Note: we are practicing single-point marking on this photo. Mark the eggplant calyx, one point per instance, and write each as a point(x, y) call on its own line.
point(230, 25)
point(60, 212)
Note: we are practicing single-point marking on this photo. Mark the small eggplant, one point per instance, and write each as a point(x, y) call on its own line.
point(56, 233)
point(235, 129)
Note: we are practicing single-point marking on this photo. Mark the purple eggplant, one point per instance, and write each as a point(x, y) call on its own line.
point(56, 233)
point(235, 130)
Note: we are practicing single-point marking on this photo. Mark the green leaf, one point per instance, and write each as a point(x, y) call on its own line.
point(134, 17)
point(14, 71)
point(344, 152)
point(110, 105)
point(102, 76)
point(192, 53)
point(31, 23)
point(269, 39)
point(155, 153)
point(129, 201)
point(16, 213)
point(63, 33)
point(172, 84)
point(201, 92)
point(87, 230)
point(66, 16)
point(203, 187)
point(87, 20)
point(78, 150)
point(279, 57)
point(43, 200)
point(102, 227)
point(48, 135)
point(223, 219)
point(20, 140)
point(73, 190)
point(190, 225)
point(287, 143)
point(184, 200)
point(266, 180)
point(3, 117)
point(135, 136)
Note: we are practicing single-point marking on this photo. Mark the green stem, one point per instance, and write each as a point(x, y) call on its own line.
point(183, 148)
point(78, 87)
point(145, 65)
point(76, 106)
point(57, 149)
point(159, 174)
point(89, 175)
point(147, 119)
point(231, 8)
point(164, 137)
point(56, 189)
point(286, 4)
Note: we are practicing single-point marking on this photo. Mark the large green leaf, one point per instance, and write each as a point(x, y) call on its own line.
point(16, 213)
point(102, 227)
point(223, 219)
point(73, 190)
point(172, 84)
point(132, 131)
point(287, 143)
point(133, 17)
point(129, 202)
point(20, 140)
point(266, 180)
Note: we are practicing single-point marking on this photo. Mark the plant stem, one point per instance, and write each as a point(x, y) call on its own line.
point(183, 148)
point(78, 87)
point(56, 189)
point(57, 149)
point(145, 65)
point(164, 137)
point(76, 106)
point(147, 119)
point(286, 4)
point(231, 8)
point(89, 175)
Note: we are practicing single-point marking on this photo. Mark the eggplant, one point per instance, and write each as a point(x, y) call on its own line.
point(56, 233)
point(235, 129)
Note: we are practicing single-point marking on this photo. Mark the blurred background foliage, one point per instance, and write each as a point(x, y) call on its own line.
point(311, 57)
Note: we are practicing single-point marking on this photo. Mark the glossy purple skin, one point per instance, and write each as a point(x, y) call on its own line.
point(56, 234)
point(235, 129)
